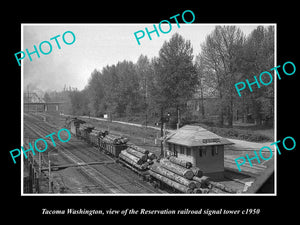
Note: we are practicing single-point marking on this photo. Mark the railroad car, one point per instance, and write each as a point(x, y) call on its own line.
point(112, 144)
point(79, 132)
point(84, 131)
point(73, 124)
point(96, 135)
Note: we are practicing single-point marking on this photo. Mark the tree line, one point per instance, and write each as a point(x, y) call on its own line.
point(152, 87)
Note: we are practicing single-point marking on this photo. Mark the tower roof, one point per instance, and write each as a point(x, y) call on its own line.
point(192, 136)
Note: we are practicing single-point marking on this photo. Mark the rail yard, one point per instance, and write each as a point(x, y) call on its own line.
point(98, 161)
point(86, 169)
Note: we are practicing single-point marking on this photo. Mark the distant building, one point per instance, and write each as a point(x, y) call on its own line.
point(43, 107)
point(34, 103)
point(201, 147)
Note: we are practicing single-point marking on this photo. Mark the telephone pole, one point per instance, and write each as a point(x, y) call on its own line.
point(163, 120)
point(161, 132)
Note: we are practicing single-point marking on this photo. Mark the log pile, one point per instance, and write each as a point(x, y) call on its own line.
point(170, 174)
point(197, 172)
point(180, 162)
point(178, 174)
point(180, 170)
point(222, 187)
point(171, 183)
point(116, 140)
point(214, 186)
point(137, 157)
point(97, 133)
point(184, 177)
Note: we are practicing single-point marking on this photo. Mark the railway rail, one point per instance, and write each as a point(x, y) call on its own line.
point(256, 169)
point(109, 178)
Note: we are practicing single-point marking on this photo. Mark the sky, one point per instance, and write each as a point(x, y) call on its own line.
point(95, 46)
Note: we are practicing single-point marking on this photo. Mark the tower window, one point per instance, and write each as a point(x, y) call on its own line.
point(188, 151)
point(202, 152)
point(214, 150)
point(181, 150)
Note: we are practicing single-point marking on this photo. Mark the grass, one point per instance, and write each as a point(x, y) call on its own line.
point(255, 134)
point(142, 135)
point(245, 132)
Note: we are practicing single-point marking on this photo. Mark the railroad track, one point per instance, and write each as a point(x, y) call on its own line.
point(103, 181)
point(246, 168)
point(76, 144)
point(107, 178)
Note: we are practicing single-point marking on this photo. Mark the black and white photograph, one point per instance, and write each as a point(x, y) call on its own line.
point(129, 109)
point(144, 112)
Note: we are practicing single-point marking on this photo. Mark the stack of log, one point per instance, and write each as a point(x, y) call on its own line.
point(137, 157)
point(179, 174)
point(184, 177)
point(96, 132)
point(116, 140)
point(214, 186)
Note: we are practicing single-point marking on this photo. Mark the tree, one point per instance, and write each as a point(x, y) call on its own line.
point(47, 97)
point(220, 59)
point(258, 56)
point(110, 84)
point(128, 89)
point(175, 77)
point(144, 70)
point(79, 102)
point(201, 77)
point(95, 92)
point(120, 85)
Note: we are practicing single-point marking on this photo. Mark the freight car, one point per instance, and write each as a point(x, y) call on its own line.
point(84, 132)
point(99, 138)
point(73, 124)
point(96, 135)
point(111, 144)
point(134, 157)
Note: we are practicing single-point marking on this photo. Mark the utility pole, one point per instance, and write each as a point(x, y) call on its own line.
point(49, 174)
point(178, 118)
point(49, 165)
point(163, 121)
point(146, 103)
point(40, 165)
point(161, 132)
